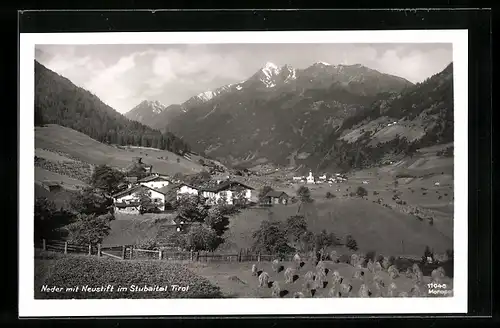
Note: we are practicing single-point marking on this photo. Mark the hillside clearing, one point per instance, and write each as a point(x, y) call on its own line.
point(78, 145)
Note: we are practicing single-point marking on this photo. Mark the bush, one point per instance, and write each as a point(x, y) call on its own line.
point(351, 243)
point(67, 272)
point(361, 192)
point(375, 192)
point(370, 256)
point(329, 195)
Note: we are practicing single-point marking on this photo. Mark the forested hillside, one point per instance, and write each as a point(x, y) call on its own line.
point(59, 101)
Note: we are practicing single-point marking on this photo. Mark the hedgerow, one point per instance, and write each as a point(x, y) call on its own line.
point(94, 272)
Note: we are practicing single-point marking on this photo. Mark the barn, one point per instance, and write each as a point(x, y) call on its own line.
point(276, 197)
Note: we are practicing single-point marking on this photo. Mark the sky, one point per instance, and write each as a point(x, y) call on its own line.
point(124, 75)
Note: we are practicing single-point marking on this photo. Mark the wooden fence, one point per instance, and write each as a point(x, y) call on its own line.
point(130, 252)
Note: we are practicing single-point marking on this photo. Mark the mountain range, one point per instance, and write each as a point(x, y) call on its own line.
point(323, 115)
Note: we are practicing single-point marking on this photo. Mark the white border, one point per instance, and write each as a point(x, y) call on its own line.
point(29, 307)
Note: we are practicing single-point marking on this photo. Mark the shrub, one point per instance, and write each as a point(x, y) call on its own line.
point(351, 243)
point(67, 272)
point(361, 192)
point(375, 192)
point(329, 195)
point(370, 256)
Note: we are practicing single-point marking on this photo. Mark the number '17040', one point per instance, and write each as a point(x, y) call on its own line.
point(433, 285)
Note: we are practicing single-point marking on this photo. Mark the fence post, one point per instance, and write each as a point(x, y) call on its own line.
point(191, 255)
point(44, 245)
point(239, 256)
point(98, 250)
point(258, 257)
point(159, 254)
point(65, 247)
point(123, 252)
point(90, 249)
point(197, 256)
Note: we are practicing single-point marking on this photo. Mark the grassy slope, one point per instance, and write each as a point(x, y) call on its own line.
point(67, 182)
point(86, 149)
point(373, 226)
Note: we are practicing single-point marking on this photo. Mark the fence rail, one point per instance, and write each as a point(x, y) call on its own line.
point(130, 252)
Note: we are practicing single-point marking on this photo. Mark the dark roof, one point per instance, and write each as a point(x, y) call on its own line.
point(226, 185)
point(166, 189)
point(124, 205)
point(127, 191)
point(152, 178)
point(274, 193)
point(131, 179)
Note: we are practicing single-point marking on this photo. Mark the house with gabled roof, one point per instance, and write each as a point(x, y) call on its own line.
point(276, 197)
point(128, 201)
point(231, 192)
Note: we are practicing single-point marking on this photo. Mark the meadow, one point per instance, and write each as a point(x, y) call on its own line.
point(88, 150)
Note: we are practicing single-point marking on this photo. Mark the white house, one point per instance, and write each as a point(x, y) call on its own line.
point(310, 178)
point(155, 181)
point(186, 189)
point(230, 191)
point(128, 201)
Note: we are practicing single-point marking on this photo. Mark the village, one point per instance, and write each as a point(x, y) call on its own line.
point(219, 188)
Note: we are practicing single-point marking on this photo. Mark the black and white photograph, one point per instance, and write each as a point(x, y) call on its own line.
point(232, 172)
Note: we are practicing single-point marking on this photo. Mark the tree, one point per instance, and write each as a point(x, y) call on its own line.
point(90, 201)
point(89, 228)
point(264, 191)
point(217, 218)
point(325, 239)
point(138, 171)
point(107, 178)
point(271, 238)
point(192, 208)
point(201, 237)
point(361, 192)
point(49, 220)
point(304, 194)
point(351, 243)
point(296, 226)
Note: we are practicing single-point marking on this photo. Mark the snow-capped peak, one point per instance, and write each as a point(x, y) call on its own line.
point(156, 106)
point(270, 69)
point(322, 63)
point(206, 96)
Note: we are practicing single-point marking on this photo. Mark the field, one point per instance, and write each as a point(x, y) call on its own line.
point(236, 279)
point(62, 271)
point(85, 149)
point(42, 175)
